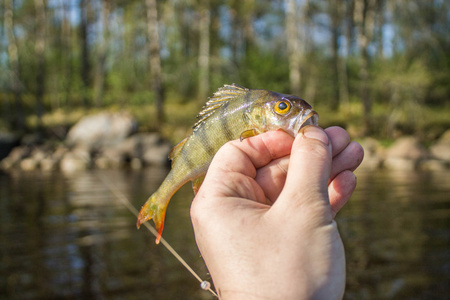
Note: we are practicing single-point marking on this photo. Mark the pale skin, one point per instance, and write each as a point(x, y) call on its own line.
point(264, 216)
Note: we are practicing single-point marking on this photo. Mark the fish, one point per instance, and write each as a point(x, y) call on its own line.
point(232, 112)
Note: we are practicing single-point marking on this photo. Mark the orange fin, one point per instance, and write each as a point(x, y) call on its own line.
point(197, 183)
point(155, 211)
point(248, 133)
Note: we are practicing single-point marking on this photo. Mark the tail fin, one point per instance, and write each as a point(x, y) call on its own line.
point(153, 210)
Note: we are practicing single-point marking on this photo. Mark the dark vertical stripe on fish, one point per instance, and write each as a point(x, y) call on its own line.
point(206, 142)
point(247, 99)
point(188, 162)
point(225, 126)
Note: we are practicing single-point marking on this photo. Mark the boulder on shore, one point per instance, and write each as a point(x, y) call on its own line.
point(405, 154)
point(441, 150)
point(101, 130)
point(407, 147)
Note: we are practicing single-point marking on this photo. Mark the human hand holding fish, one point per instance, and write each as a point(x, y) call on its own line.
point(264, 217)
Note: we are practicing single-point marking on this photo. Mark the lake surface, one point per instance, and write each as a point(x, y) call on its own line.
point(69, 237)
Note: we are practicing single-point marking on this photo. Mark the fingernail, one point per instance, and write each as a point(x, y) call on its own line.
point(314, 132)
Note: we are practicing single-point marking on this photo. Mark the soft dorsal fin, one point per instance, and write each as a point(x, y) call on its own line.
point(223, 95)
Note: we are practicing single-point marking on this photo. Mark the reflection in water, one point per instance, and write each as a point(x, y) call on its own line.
point(397, 237)
point(68, 237)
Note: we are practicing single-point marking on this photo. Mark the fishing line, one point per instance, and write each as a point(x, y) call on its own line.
point(204, 284)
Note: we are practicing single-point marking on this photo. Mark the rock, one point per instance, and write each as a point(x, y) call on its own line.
point(373, 153)
point(106, 161)
point(49, 164)
point(407, 148)
point(75, 160)
point(29, 164)
point(149, 148)
point(156, 153)
point(59, 153)
point(136, 163)
point(441, 150)
point(396, 163)
point(17, 154)
point(433, 165)
point(6, 164)
point(7, 142)
point(101, 130)
point(39, 154)
point(445, 137)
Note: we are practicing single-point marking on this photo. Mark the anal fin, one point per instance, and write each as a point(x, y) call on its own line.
point(197, 183)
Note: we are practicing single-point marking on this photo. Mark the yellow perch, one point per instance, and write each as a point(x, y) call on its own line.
point(232, 112)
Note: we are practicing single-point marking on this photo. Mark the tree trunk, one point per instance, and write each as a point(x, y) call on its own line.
point(39, 51)
point(293, 46)
point(347, 11)
point(85, 64)
point(380, 24)
point(155, 58)
point(248, 14)
point(100, 74)
point(335, 23)
point(66, 57)
point(204, 51)
point(18, 119)
point(364, 19)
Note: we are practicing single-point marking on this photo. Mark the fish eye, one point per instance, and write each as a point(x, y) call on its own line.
point(282, 107)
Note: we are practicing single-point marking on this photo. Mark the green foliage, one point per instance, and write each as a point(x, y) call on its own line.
point(264, 70)
point(408, 81)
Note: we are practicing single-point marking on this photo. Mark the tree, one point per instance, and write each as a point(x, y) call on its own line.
point(204, 50)
point(39, 51)
point(85, 63)
point(100, 74)
point(18, 121)
point(336, 21)
point(155, 58)
point(293, 46)
point(364, 15)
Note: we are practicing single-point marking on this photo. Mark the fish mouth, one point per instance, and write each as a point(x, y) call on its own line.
point(310, 117)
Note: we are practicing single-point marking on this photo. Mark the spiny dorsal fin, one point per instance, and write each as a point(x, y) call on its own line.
point(219, 98)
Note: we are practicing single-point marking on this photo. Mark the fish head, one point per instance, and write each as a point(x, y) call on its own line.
point(273, 111)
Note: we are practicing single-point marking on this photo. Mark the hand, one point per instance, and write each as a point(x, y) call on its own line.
point(264, 219)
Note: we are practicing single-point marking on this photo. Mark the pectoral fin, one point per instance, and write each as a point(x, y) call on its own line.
point(248, 133)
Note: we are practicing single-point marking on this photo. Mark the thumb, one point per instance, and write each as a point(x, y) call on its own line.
point(309, 170)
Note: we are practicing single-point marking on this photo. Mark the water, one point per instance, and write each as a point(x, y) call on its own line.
point(67, 236)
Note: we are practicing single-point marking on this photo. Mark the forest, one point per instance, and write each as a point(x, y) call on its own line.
point(376, 67)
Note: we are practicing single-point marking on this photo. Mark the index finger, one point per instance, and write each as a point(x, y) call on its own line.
point(253, 153)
